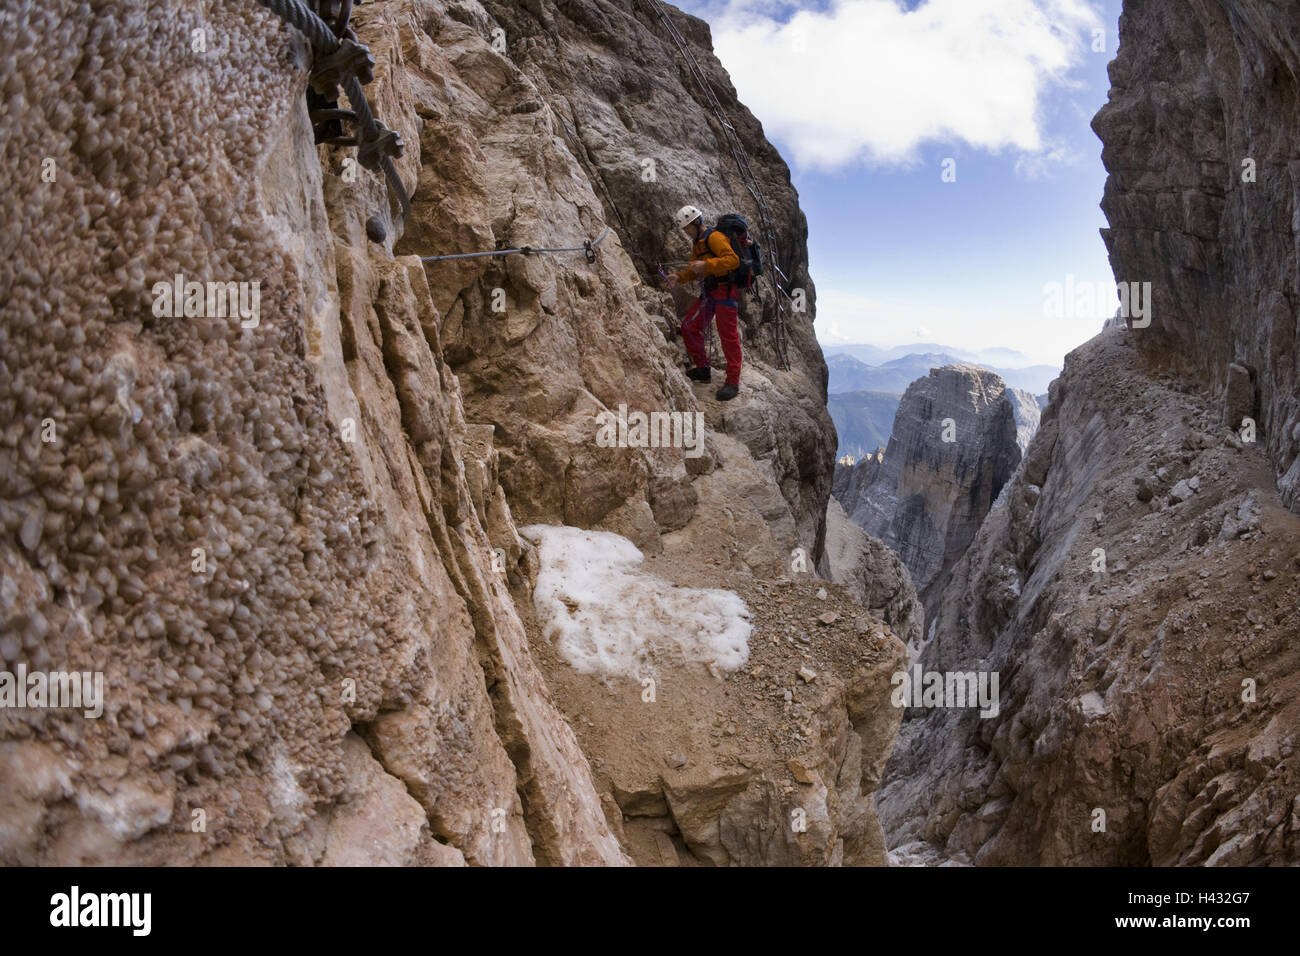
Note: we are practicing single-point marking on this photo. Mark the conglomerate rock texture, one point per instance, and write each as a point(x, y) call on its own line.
point(264, 536)
point(289, 546)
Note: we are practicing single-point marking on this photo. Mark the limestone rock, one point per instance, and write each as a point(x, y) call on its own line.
point(1238, 397)
point(380, 823)
point(316, 459)
point(1123, 689)
point(874, 574)
point(800, 772)
point(852, 479)
point(1028, 414)
point(756, 817)
point(547, 144)
point(955, 445)
point(1214, 234)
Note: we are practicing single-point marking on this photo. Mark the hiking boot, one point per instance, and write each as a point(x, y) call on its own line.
point(701, 374)
point(728, 392)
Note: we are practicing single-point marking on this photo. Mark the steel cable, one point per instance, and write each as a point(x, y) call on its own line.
point(588, 247)
point(319, 34)
point(766, 228)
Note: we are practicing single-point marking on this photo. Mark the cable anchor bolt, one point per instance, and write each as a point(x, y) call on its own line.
point(350, 59)
point(384, 142)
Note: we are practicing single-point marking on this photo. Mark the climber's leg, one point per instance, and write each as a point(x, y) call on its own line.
point(695, 331)
point(729, 332)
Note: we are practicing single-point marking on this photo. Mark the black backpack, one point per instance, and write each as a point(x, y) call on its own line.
point(734, 227)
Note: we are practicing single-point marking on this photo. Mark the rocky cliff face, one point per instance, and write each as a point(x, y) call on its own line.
point(874, 574)
point(290, 546)
point(954, 445)
point(590, 117)
point(1136, 588)
point(1203, 199)
point(272, 539)
point(1028, 413)
point(854, 476)
point(1136, 591)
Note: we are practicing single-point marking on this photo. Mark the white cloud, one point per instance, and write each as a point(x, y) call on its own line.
point(868, 80)
point(841, 316)
point(1035, 166)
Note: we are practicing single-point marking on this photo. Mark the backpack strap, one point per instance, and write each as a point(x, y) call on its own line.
point(712, 282)
point(708, 283)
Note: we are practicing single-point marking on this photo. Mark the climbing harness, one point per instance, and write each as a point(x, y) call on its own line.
point(342, 61)
point(766, 229)
point(588, 249)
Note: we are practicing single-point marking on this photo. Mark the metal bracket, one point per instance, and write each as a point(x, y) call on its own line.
point(331, 113)
point(384, 142)
point(350, 59)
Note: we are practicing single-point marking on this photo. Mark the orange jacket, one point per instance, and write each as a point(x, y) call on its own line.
point(719, 258)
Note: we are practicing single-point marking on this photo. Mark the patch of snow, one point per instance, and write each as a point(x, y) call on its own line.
point(607, 616)
point(1027, 415)
point(915, 648)
point(918, 853)
point(1092, 704)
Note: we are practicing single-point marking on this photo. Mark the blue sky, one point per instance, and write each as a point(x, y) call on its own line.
point(867, 99)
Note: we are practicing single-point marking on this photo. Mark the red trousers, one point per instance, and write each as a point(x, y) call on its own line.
point(699, 321)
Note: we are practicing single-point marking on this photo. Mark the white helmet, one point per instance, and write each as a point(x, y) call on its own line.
point(687, 215)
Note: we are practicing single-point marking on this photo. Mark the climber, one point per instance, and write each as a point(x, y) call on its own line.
point(713, 261)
